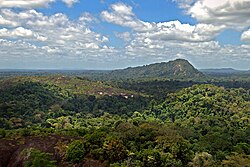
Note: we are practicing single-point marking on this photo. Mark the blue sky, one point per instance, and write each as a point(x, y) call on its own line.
point(110, 34)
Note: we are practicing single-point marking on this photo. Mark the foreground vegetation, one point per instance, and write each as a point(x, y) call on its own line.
point(189, 125)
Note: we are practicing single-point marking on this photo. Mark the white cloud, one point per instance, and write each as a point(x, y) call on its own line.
point(21, 33)
point(123, 15)
point(246, 36)
point(175, 30)
point(30, 4)
point(17, 32)
point(121, 8)
point(231, 13)
point(5, 22)
point(184, 3)
point(41, 38)
point(215, 56)
point(24, 3)
point(70, 3)
point(126, 36)
point(54, 36)
point(168, 40)
point(87, 17)
point(91, 46)
point(51, 49)
point(59, 39)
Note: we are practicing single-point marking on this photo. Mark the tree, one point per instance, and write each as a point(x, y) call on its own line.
point(114, 150)
point(150, 158)
point(203, 159)
point(182, 151)
point(236, 160)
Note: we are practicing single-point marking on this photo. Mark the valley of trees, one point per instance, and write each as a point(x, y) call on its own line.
point(60, 120)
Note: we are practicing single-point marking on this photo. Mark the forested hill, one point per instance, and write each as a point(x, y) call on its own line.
point(177, 69)
point(24, 98)
point(65, 84)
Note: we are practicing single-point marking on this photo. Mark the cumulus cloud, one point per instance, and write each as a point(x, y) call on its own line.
point(5, 22)
point(54, 27)
point(175, 30)
point(231, 13)
point(184, 3)
point(246, 36)
point(123, 15)
point(30, 4)
point(87, 18)
point(29, 35)
point(172, 39)
point(214, 54)
point(126, 36)
point(17, 32)
point(24, 3)
point(70, 3)
point(54, 36)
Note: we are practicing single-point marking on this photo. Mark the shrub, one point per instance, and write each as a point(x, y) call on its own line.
point(75, 151)
point(36, 158)
point(2, 133)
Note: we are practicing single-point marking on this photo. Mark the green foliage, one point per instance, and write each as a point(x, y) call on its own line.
point(150, 158)
point(205, 101)
point(114, 150)
point(29, 101)
point(75, 151)
point(24, 101)
point(112, 104)
point(36, 158)
point(2, 133)
point(236, 160)
point(242, 148)
point(203, 159)
point(201, 125)
point(25, 132)
point(181, 150)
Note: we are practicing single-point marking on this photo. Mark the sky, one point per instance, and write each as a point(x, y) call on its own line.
point(110, 34)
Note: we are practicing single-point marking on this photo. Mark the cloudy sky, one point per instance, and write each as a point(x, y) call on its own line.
point(110, 34)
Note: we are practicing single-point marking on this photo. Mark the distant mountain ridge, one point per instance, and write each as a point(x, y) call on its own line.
point(221, 70)
point(225, 72)
point(176, 69)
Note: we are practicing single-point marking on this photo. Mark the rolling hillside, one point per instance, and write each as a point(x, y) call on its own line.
point(72, 85)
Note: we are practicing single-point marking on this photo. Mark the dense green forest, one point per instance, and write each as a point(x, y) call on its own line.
point(201, 125)
point(57, 120)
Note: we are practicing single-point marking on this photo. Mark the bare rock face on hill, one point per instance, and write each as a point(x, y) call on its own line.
point(14, 153)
